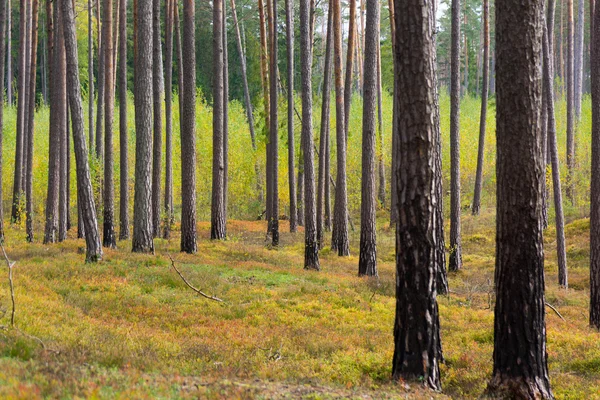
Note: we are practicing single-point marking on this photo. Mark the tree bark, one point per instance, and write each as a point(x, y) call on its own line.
point(367, 264)
point(85, 195)
point(225, 117)
point(483, 116)
point(142, 205)
point(123, 128)
point(274, 124)
point(520, 364)
point(416, 330)
point(349, 66)
point(324, 135)
point(90, 73)
point(289, 17)
point(455, 239)
point(264, 74)
point(595, 169)
point(311, 247)
point(570, 100)
point(395, 152)
point(101, 78)
point(169, 217)
point(109, 235)
point(188, 132)
point(156, 117)
point(339, 241)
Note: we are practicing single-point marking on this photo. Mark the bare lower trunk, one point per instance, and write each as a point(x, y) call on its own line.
point(123, 128)
point(101, 77)
point(595, 169)
point(273, 124)
point(109, 235)
point(90, 74)
point(156, 117)
point(168, 220)
point(289, 15)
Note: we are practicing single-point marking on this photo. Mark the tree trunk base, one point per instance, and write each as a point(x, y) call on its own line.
point(509, 387)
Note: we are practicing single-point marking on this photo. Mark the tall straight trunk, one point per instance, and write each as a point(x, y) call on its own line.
point(27, 72)
point(49, 42)
point(157, 117)
point(300, 191)
point(367, 264)
point(483, 116)
point(30, 123)
point(455, 239)
point(520, 357)
point(349, 66)
point(225, 115)
point(578, 66)
point(380, 163)
point(264, 74)
point(466, 48)
point(2, 61)
point(273, 123)
point(561, 41)
point(395, 152)
point(170, 4)
point(188, 132)
point(109, 235)
point(85, 195)
point(67, 208)
point(64, 222)
point(570, 100)
point(595, 169)
point(311, 247)
point(218, 223)
point(21, 105)
point(8, 55)
point(561, 253)
point(324, 134)
point(179, 51)
point(339, 241)
point(142, 241)
point(101, 86)
point(289, 30)
point(90, 73)
point(416, 330)
point(58, 107)
point(247, 98)
point(123, 129)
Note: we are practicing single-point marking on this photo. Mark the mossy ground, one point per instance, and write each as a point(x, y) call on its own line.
point(129, 327)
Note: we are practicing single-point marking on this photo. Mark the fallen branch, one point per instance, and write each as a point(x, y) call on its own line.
point(200, 292)
point(556, 311)
point(10, 282)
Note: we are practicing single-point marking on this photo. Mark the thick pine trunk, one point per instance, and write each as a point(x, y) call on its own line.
point(289, 30)
point(123, 128)
point(595, 183)
point(109, 236)
point(455, 240)
point(142, 204)
point(367, 264)
point(520, 364)
point(273, 123)
point(339, 241)
point(395, 153)
point(188, 132)
point(157, 90)
point(311, 248)
point(85, 195)
point(416, 331)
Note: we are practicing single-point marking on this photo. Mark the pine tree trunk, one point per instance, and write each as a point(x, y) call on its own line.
point(455, 239)
point(273, 123)
point(30, 123)
point(157, 117)
point(26, 90)
point(367, 264)
point(188, 132)
point(595, 169)
point(416, 330)
point(90, 73)
point(520, 364)
point(264, 74)
point(142, 241)
point(311, 247)
point(109, 235)
point(289, 17)
point(483, 116)
point(85, 195)
point(123, 128)
point(579, 46)
point(339, 241)
point(8, 55)
point(570, 100)
point(324, 135)
point(349, 66)
point(169, 119)
point(395, 152)
point(225, 117)
point(21, 105)
point(300, 191)
point(101, 86)
point(178, 50)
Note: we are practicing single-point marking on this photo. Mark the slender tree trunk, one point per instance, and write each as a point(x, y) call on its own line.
point(300, 191)
point(170, 4)
point(178, 50)
point(30, 123)
point(27, 72)
point(101, 86)
point(289, 16)
point(142, 205)
point(64, 215)
point(339, 241)
point(225, 117)
point(109, 236)
point(561, 253)
point(157, 117)
point(311, 247)
point(324, 135)
point(188, 132)
point(85, 195)
point(455, 239)
point(595, 169)
point(483, 117)
point(349, 66)
point(264, 74)
point(123, 129)
point(21, 104)
point(570, 105)
point(90, 73)
point(367, 264)
point(578, 71)
point(520, 359)
point(395, 152)
point(416, 330)
point(274, 125)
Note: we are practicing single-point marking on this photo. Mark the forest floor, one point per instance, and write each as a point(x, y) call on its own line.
point(129, 327)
